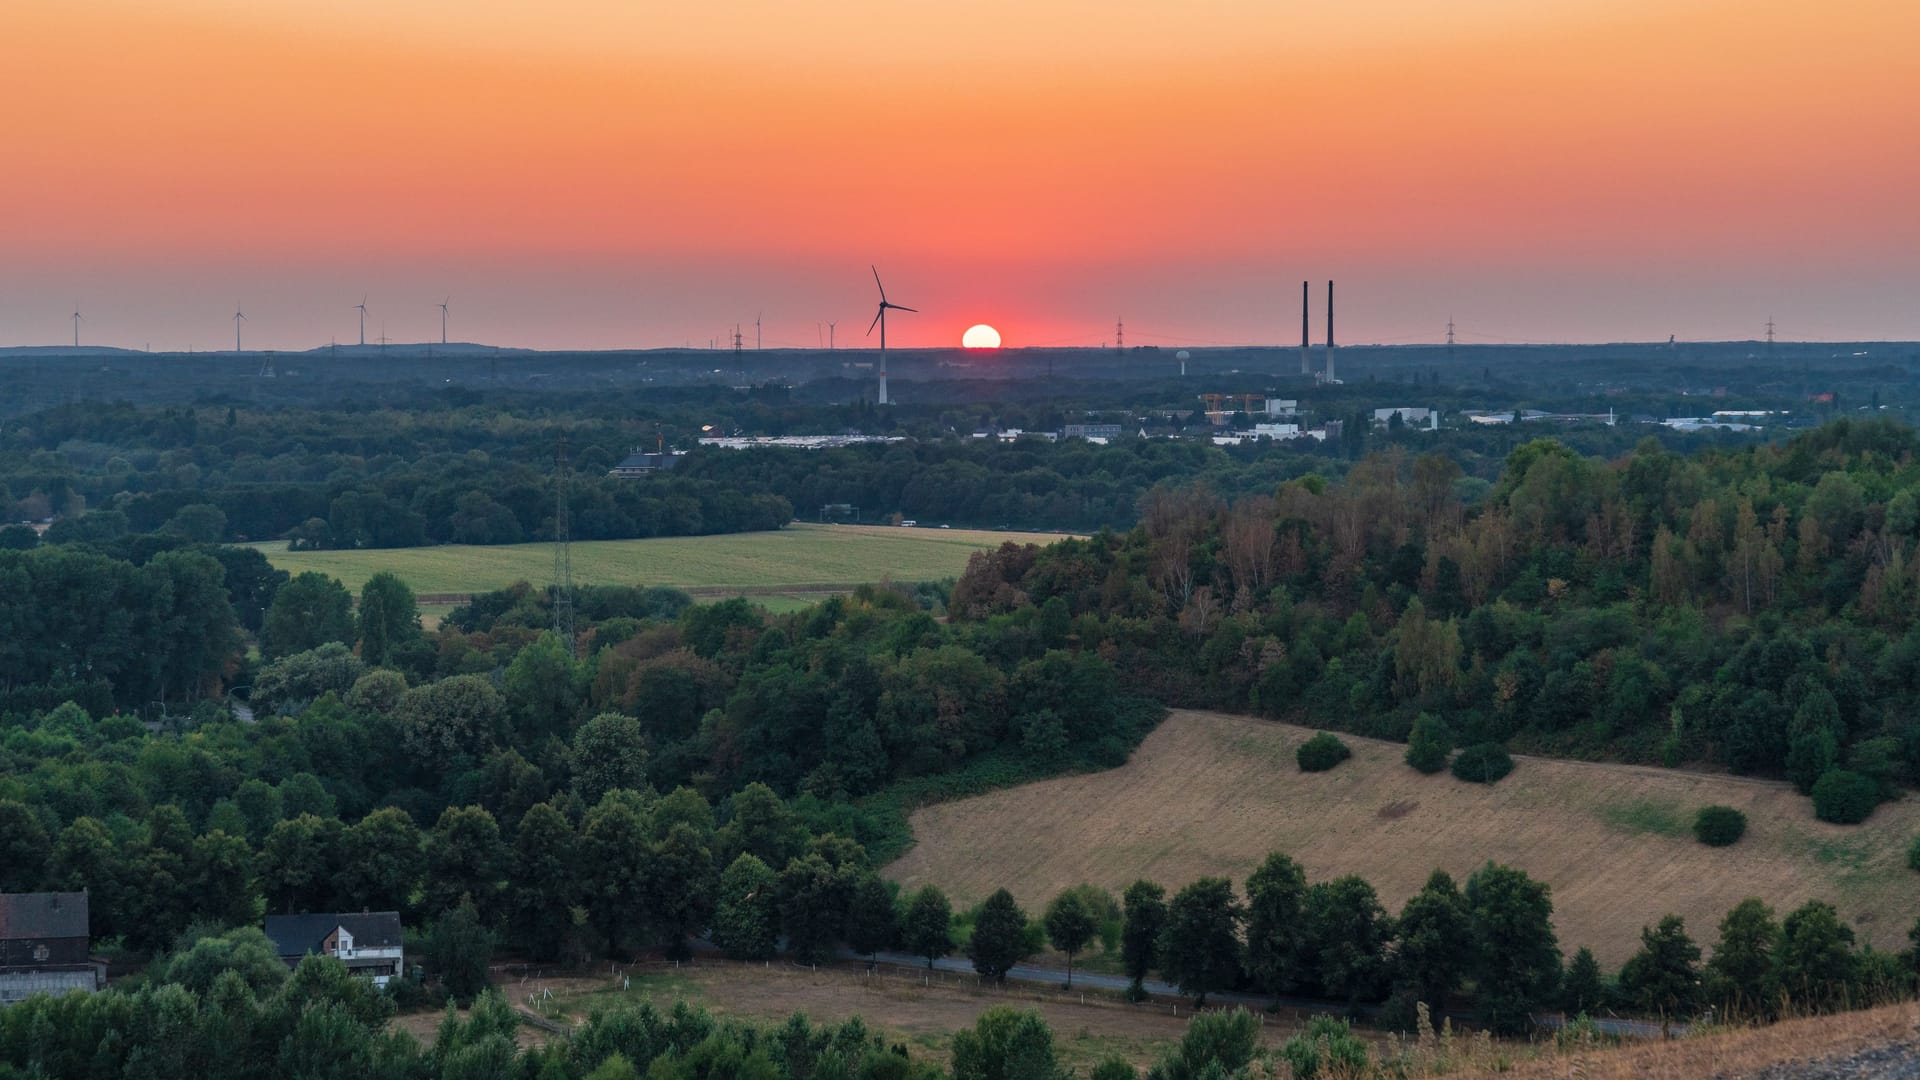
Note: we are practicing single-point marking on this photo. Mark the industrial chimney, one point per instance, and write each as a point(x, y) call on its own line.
point(1306, 366)
point(1330, 377)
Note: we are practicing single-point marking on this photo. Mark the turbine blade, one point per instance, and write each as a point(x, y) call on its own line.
point(898, 307)
point(876, 321)
point(876, 282)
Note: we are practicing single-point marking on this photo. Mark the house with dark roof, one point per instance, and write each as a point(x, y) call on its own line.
point(44, 942)
point(367, 942)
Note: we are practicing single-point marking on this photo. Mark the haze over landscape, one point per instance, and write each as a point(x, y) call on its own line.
point(605, 174)
point(605, 539)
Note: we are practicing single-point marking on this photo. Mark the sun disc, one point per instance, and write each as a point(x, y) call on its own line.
point(980, 336)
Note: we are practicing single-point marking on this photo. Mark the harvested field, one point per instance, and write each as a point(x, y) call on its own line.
point(894, 1002)
point(798, 561)
point(1211, 794)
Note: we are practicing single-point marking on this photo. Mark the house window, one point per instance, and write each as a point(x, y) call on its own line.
point(41, 952)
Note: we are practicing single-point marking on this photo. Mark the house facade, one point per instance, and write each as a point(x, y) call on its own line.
point(44, 942)
point(368, 942)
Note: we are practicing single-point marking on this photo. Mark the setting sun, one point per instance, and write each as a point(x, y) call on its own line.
point(981, 336)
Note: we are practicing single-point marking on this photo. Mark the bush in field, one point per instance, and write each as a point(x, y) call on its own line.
point(1718, 826)
point(1484, 763)
point(1429, 744)
point(1844, 798)
point(1322, 752)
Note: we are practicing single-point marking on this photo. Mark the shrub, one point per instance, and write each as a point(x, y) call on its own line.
point(1484, 763)
point(1429, 744)
point(1718, 826)
point(1844, 798)
point(1913, 855)
point(1322, 752)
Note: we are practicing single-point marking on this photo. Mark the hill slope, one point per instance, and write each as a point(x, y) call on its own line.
point(1213, 794)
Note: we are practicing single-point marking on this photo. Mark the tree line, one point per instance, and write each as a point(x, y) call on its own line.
point(1749, 609)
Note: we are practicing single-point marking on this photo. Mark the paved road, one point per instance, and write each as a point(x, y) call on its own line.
point(1617, 1026)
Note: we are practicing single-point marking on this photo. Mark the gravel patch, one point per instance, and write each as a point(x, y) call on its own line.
point(1889, 1061)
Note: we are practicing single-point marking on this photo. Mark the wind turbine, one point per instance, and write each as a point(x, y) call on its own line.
point(880, 320)
point(362, 305)
point(443, 319)
point(238, 318)
point(76, 325)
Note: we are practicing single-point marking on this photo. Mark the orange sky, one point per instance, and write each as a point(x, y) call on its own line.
point(620, 172)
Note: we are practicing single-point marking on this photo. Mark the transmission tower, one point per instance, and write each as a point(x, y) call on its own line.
point(1119, 335)
point(563, 624)
point(1449, 337)
point(1769, 333)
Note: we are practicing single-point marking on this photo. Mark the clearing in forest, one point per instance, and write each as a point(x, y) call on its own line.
point(1212, 794)
point(799, 559)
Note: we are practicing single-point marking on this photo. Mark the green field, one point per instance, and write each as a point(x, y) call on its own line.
point(784, 567)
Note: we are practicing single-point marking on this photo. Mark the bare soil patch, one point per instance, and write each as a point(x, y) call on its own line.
point(1212, 794)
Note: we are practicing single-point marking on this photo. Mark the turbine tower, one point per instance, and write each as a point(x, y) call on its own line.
point(362, 306)
point(76, 326)
point(880, 320)
point(238, 318)
point(829, 335)
point(443, 319)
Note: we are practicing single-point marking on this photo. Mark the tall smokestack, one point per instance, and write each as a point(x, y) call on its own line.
point(1306, 366)
point(1330, 377)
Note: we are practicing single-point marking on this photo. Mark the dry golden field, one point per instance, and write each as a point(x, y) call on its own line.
point(1213, 794)
point(894, 1001)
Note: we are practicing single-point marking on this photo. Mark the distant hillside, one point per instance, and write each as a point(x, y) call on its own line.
point(1211, 794)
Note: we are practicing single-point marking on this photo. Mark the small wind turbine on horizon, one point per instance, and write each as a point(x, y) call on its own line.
point(880, 320)
point(238, 318)
point(76, 325)
point(362, 306)
point(443, 319)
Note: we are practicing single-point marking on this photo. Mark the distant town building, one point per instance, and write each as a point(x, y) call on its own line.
point(1276, 431)
point(1489, 417)
point(1410, 415)
point(644, 463)
point(1282, 407)
point(1090, 432)
point(1707, 423)
point(1536, 415)
point(367, 942)
point(44, 942)
point(797, 442)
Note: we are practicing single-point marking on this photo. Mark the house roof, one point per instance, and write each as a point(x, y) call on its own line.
point(43, 915)
point(298, 935)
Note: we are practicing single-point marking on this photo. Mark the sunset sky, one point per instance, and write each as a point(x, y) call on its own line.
point(606, 173)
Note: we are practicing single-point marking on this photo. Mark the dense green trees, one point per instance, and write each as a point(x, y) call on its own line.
point(926, 927)
point(307, 612)
point(1276, 925)
point(1145, 915)
point(1070, 926)
point(1434, 941)
point(1663, 978)
point(1200, 944)
point(1517, 954)
point(999, 936)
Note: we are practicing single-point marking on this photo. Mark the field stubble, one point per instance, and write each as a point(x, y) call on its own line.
point(1212, 794)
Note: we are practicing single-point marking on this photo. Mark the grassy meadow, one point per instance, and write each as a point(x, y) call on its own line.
point(1211, 794)
point(784, 567)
